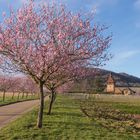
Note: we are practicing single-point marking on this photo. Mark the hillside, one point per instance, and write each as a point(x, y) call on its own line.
point(122, 79)
point(90, 81)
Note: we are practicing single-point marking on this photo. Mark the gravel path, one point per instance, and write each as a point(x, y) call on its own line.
point(11, 112)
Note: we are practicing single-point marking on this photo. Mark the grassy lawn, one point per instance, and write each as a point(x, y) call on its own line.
point(127, 107)
point(9, 100)
point(67, 122)
point(128, 104)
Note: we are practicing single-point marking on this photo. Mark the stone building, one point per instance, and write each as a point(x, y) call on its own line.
point(110, 84)
point(111, 87)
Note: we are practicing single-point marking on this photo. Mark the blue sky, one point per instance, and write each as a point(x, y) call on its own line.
point(124, 18)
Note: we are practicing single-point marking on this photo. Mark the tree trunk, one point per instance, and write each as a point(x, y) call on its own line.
point(3, 96)
point(41, 107)
point(32, 94)
point(53, 96)
point(22, 95)
point(18, 96)
point(13, 95)
point(26, 95)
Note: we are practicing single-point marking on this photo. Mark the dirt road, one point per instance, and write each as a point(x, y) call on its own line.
point(11, 112)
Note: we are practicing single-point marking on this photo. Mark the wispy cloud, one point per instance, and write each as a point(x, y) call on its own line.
point(121, 57)
point(137, 4)
point(137, 24)
point(89, 5)
point(98, 5)
point(128, 54)
point(137, 8)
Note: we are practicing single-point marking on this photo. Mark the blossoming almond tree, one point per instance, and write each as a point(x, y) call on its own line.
point(6, 84)
point(70, 73)
point(41, 41)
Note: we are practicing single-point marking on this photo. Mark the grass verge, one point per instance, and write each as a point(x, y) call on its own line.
point(67, 122)
point(9, 101)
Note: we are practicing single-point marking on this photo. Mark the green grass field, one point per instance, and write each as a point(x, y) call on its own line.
point(128, 104)
point(9, 100)
point(67, 122)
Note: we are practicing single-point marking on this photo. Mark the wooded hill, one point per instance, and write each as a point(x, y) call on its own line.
point(92, 81)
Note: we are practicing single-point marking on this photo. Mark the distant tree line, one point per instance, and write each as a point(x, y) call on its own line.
point(22, 86)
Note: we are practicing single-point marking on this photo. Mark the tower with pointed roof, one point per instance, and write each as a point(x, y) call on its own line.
point(110, 84)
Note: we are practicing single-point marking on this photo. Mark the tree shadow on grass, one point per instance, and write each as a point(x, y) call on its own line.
point(71, 114)
point(69, 125)
point(65, 107)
